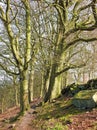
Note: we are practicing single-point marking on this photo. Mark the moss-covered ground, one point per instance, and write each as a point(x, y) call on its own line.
point(56, 115)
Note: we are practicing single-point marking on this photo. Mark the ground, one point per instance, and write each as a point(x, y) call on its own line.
point(58, 115)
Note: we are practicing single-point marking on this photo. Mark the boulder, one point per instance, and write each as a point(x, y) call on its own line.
point(92, 84)
point(85, 99)
point(70, 90)
point(74, 88)
point(95, 97)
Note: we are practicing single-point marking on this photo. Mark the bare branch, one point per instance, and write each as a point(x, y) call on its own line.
point(94, 10)
point(79, 40)
point(10, 60)
point(8, 71)
point(70, 67)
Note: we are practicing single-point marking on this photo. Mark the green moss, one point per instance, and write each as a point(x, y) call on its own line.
point(85, 94)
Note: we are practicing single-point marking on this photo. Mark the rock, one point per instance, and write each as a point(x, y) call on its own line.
point(67, 91)
point(95, 97)
point(92, 84)
point(85, 99)
point(74, 88)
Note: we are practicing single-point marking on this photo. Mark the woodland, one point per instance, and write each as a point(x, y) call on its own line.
point(48, 64)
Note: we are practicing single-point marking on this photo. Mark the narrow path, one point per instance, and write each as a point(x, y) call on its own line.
point(26, 121)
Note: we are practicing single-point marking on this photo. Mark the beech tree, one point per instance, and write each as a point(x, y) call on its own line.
point(19, 43)
point(75, 19)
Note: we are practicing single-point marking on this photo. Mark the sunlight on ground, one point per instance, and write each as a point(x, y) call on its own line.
point(55, 116)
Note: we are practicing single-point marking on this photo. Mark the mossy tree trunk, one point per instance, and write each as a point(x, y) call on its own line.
point(2, 105)
point(55, 84)
point(24, 99)
point(45, 82)
point(51, 83)
point(31, 85)
point(16, 91)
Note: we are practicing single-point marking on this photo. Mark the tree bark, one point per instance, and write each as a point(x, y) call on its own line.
point(24, 100)
point(2, 105)
point(31, 85)
point(15, 91)
point(45, 82)
point(51, 83)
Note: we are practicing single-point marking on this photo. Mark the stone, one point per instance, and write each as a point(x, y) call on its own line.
point(74, 88)
point(85, 99)
point(95, 97)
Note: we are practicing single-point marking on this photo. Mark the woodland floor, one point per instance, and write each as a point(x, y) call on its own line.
point(58, 115)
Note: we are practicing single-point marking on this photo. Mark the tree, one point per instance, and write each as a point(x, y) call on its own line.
point(21, 56)
point(73, 21)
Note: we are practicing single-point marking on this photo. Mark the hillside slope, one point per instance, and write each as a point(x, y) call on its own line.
point(58, 115)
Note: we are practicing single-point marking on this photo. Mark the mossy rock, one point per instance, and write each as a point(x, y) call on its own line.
point(85, 99)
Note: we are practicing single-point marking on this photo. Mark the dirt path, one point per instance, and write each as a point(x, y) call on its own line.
point(26, 121)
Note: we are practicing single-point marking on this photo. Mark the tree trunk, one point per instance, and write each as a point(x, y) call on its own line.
point(55, 82)
point(31, 84)
point(24, 100)
point(59, 78)
point(45, 82)
point(57, 87)
point(16, 90)
point(2, 105)
point(43, 86)
point(51, 83)
point(16, 95)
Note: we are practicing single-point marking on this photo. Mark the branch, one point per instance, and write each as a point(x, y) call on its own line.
point(71, 56)
point(85, 7)
point(12, 39)
point(62, 10)
point(8, 71)
point(70, 67)
point(91, 28)
point(10, 60)
point(2, 16)
point(94, 10)
point(26, 4)
point(79, 40)
point(14, 15)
